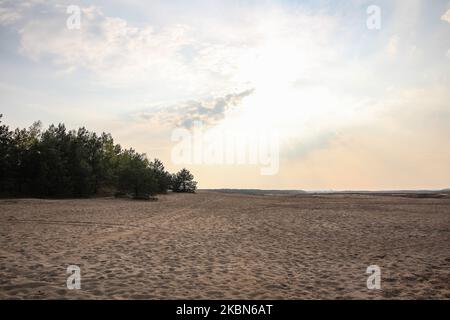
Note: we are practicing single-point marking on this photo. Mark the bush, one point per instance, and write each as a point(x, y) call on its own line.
point(183, 181)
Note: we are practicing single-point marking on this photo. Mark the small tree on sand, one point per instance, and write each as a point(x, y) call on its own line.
point(183, 181)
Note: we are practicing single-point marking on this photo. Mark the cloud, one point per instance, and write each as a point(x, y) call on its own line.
point(16, 13)
point(197, 58)
point(208, 111)
point(12, 12)
point(109, 47)
point(446, 16)
point(8, 16)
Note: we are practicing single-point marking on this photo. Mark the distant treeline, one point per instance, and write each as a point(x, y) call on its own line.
point(57, 162)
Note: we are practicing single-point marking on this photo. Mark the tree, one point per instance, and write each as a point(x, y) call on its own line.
point(183, 181)
point(6, 164)
point(162, 176)
point(135, 175)
point(57, 162)
point(54, 163)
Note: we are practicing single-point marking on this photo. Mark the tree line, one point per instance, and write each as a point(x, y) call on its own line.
point(57, 162)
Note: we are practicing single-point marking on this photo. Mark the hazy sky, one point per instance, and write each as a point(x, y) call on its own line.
point(353, 107)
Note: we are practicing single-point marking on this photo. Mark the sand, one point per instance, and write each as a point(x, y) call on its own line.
point(226, 246)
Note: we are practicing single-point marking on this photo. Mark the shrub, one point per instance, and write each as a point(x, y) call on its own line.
point(183, 181)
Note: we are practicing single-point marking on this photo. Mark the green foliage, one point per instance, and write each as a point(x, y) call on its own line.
point(183, 181)
point(135, 175)
point(61, 163)
point(163, 177)
point(6, 151)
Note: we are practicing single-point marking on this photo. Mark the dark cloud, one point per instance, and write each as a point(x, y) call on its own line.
point(208, 111)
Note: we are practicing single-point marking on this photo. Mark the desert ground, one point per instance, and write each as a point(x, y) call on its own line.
point(213, 245)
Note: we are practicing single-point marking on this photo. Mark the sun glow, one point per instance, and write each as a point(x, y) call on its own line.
point(285, 71)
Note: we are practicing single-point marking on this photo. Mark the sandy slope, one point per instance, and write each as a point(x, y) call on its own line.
point(213, 245)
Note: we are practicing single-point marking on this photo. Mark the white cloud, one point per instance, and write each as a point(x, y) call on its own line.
point(8, 16)
point(446, 16)
point(107, 46)
point(194, 59)
point(13, 12)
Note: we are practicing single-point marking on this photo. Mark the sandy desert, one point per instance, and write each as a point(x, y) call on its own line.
point(213, 245)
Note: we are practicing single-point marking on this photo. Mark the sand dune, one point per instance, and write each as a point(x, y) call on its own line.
point(226, 246)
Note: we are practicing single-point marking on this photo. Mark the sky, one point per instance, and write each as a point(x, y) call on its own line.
point(313, 95)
